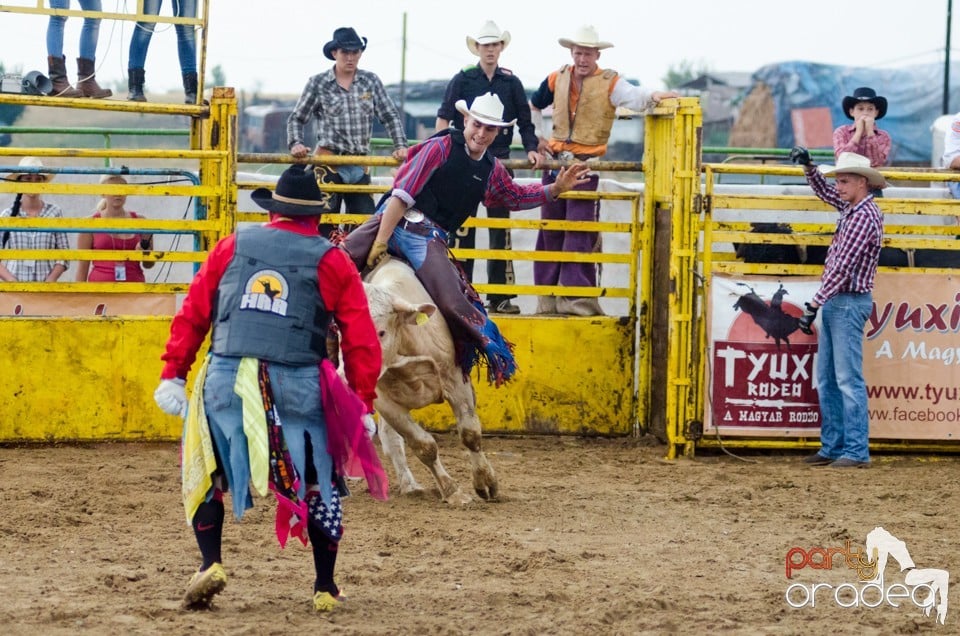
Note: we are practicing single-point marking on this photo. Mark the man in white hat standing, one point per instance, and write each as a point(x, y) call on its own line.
point(846, 296)
point(439, 186)
point(487, 76)
point(585, 99)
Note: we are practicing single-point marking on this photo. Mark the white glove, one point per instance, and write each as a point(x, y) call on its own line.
point(171, 397)
point(370, 425)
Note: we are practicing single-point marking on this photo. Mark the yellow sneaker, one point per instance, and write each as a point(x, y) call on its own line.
point(204, 586)
point(325, 601)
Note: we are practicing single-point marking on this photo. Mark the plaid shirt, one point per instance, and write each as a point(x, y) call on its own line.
point(36, 271)
point(855, 250)
point(876, 148)
point(345, 116)
point(502, 191)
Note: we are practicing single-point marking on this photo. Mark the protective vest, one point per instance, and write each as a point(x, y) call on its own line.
point(590, 125)
point(454, 192)
point(268, 302)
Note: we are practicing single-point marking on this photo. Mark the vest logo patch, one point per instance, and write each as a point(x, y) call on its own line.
point(266, 290)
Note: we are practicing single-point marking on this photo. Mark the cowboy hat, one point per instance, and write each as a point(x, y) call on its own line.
point(297, 194)
point(585, 36)
point(488, 34)
point(864, 94)
point(344, 38)
point(852, 163)
point(31, 162)
point(486, 108)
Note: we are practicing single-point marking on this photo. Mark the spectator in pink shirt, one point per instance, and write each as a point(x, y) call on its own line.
point(863, 136)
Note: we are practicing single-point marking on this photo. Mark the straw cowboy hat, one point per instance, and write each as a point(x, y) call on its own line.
point(864, 94)
point(488, 34)
point(585, 36)
point(344, 38)
point(297, 194)
point(31, 162)
point(852, 163)
point(486, 108)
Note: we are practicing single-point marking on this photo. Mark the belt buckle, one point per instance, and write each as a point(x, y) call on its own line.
point(414, 216)
point(565, 155)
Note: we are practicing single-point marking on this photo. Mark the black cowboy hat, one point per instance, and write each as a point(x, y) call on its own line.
point(297, 194)
point(864, 94)
point(344, 38)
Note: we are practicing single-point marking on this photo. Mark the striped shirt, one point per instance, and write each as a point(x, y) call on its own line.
point(29, 270)
point(345, 116)
point(854, 252)
point(502, 191)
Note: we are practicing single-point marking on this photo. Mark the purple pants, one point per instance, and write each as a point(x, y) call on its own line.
point(568, 274)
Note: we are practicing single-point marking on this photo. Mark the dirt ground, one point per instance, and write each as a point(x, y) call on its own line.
point(592, 536)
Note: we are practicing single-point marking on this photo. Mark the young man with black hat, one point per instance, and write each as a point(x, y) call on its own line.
point(344, 102)
point(846, 298)
point(270, 293)
point(487, 76)
point(863, 136)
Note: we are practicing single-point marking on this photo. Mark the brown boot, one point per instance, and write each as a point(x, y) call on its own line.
point(87, 80)
point(57, 67)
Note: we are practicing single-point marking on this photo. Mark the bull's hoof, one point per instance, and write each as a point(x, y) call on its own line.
point(458, 498)
point(490, 493)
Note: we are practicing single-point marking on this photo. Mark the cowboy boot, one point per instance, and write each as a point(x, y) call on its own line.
point(87, 79)
point(57, 67)
point(190, 88)
point(135, 78)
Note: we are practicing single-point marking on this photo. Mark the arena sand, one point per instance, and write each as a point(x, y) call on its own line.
point(592, 536)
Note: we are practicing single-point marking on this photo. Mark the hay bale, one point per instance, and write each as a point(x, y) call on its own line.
point(756, 125)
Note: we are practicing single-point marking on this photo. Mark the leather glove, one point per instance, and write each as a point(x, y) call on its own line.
point(377, 252)
point(370, 425)
point(806, 320)
point(171, 397)
point(800, 156)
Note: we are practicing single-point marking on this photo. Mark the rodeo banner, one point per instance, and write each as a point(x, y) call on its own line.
point(762, 368)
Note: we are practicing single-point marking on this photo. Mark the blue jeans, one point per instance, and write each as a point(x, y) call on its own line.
point(296, 393)
point(844, 426)
point(88, 34)
point(186, 35)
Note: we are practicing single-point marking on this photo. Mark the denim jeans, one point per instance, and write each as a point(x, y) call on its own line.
point(88, 34)
point(186, 35)
point(844, 426)
point(296, 393)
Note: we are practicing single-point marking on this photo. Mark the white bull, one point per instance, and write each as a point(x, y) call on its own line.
point(419, 369)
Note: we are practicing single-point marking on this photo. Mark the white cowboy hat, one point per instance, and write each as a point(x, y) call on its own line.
point(486, 108)
point(31, 162)
point(488, 34)
point(586, 36)
point(851, 162)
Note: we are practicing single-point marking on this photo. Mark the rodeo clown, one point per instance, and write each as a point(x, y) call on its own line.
point(268, 407)
point(439, 186)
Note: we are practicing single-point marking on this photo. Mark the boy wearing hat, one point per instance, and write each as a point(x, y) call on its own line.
point(270, 293)
point(439, 186)
point(487, 76)
point(585, 100)
point(344, 102)
point(846, 297)
point(863, 136)
point(31, 205)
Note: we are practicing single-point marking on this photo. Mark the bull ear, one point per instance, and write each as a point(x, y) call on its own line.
point(412, 314)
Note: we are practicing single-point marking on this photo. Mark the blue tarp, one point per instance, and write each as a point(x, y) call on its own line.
point(914, 99)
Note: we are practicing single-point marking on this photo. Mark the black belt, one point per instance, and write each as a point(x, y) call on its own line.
point(422, 229)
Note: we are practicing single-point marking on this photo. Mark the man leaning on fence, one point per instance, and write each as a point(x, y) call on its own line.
point(344, 101)
point(585, 100)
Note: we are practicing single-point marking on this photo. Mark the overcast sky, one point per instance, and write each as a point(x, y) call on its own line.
point(275, 45)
